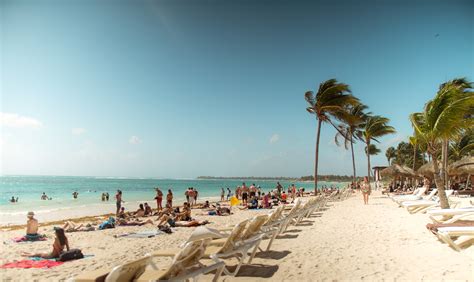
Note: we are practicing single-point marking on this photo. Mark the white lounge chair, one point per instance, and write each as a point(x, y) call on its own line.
point(417, 195)
point(423, 205)
point(465, 234)
point(450, 215)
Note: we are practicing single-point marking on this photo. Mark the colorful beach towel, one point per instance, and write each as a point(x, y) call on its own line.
point(32, 264)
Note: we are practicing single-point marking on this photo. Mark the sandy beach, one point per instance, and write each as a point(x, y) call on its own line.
point(346, 241)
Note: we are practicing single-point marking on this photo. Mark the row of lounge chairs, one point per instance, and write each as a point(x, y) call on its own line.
point(454, 226)
point(209, 250)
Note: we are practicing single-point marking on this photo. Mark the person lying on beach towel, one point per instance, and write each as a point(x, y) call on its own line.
point(433, 227)
point(70, 226)
point(221, 211)
point(110, 223)
point(137, 222)
point(60, 242)
point(171, 221)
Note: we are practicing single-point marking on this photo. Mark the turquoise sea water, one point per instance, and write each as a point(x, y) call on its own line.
point(60, 188)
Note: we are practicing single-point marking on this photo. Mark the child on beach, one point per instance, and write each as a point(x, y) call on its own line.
point(60, 242)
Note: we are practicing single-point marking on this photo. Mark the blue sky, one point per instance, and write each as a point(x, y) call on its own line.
point(186, 88)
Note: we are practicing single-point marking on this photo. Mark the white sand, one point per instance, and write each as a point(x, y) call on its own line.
point(346, 241)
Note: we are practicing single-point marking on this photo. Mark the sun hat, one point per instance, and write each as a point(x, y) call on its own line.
point(30, 214)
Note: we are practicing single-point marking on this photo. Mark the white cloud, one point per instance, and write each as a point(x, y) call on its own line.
point(78, 131)
point(134, 140)
point(275, 137)
point(17, 121)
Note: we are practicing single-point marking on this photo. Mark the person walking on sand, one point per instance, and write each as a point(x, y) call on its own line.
point(118, 201)
point(159, 199)
point(169, 198)
point(365, 188)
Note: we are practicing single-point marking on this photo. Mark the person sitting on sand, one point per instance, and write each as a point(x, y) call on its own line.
point(148, 210)
point(185, 215)
point(70, 226)
point(122, 213)
point(60, 242)
point(136, 222)
point(141, 211)
point(32, 227)
point(266, 201)
point(283, 197)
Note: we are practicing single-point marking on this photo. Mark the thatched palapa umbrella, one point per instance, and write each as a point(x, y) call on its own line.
point(463, 166)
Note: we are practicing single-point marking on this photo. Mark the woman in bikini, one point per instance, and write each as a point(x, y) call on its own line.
point(365, 188)
point(60, 242)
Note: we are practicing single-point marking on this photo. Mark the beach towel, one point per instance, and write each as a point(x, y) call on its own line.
point(28, 239)
point(143, 234)
point(32, 264)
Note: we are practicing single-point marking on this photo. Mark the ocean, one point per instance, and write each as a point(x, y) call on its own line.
point(29, 189)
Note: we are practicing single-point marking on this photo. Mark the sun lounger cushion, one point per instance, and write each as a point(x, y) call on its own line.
point(451, 211)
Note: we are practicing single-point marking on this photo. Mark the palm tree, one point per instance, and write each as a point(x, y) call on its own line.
point(332, 97)
point(353, 116)
point(462, 146)
point(372, 150)
point(443, 119)
point(414, 142)
point(374, 127)
point(391, 153)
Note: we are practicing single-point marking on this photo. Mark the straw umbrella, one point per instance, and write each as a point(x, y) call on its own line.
point(463, 166)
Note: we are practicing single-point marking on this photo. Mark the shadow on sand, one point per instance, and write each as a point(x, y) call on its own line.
point(255, 270)
point(272, 254)
point(287, 236)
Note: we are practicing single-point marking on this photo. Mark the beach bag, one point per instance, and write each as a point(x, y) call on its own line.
point(72, 254)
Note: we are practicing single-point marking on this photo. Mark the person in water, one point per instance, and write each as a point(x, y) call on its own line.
point(13, 200)
point(44, 196)
point(75, 194)
point(60, 242)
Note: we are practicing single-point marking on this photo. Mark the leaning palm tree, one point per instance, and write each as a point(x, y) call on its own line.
point(331, 99)
point(372, 150)
point(414, 142)
point(374, 127)
point(442, 120)
point(390, 154)
point(353, 117)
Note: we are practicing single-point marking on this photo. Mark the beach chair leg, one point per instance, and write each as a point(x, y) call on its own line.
point(218, 273)
point(254, 251)
point(447, 239)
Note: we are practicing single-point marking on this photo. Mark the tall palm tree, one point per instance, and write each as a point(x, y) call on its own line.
point(462, 146)
point(331, 99)
point(443, 119)
point(353, 117)
point(374, 127)
point(391, 153)
point(414, 142)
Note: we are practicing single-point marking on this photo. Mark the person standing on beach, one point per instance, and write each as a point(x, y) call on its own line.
point(159, 199)
point(186, 194)
point(229, 193)
point(118, 201)
point(245, 194)
point(222, 194)
point(365, 188)
point(195, 196)
point(169, 199)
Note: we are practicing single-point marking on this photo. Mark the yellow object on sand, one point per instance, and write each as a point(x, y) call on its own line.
point(234, 201)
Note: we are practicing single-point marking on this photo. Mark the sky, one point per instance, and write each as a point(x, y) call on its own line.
point(183, 88)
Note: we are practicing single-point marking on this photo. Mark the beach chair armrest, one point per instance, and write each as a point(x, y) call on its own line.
point(166, 252)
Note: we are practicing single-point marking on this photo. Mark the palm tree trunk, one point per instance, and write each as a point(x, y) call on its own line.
point(414, 156)
point(443, 200)
point(353, 161)
point(318, 134)
point(445, 162)
point(368, 162)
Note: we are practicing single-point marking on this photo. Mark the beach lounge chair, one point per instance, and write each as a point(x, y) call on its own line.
point(450, 215)
point(465, 234)
point(417, 195)
point(185, 265)
point(427, 198)
point(233, 247)
point(423, 205)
